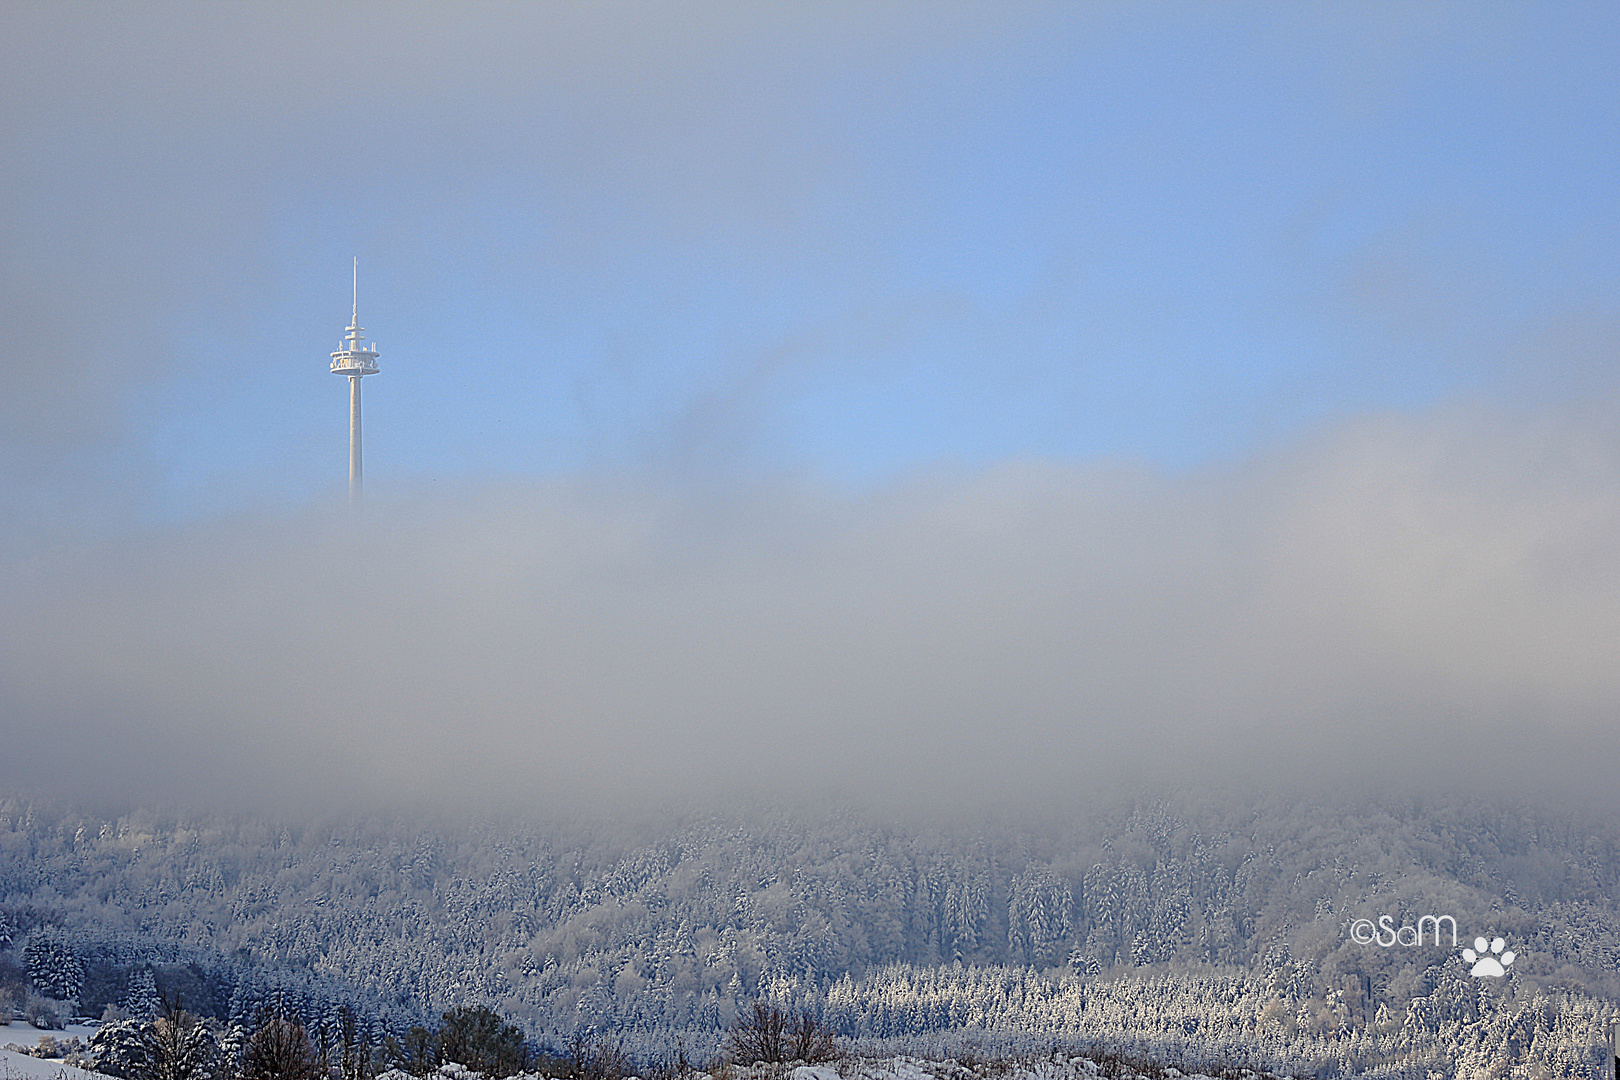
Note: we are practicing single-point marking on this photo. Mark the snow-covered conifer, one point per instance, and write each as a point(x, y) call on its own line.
point(123, 1048)
point(141, 998)
point(53, 967)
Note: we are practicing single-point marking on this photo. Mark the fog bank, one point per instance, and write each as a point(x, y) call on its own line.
point(1430, 599)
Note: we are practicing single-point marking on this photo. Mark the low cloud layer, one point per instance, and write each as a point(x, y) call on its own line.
point(1429, 598)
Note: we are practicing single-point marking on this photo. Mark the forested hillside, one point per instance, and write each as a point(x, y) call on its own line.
point(1203, 929)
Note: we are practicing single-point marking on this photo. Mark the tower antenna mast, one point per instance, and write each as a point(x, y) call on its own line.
point(355, 360)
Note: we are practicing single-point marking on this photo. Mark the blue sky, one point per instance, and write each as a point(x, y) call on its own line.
point(1255, 362)
point(849, 242)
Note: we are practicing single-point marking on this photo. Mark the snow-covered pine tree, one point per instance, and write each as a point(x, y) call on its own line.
point(53, 967)
point(123, 1048)
point(232, 1044)
point(141, 999)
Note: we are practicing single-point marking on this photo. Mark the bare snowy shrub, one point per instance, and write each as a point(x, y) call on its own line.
point(280, 1050)
point(43, 1013)
point(758, 1035)
point(810, 1040)
point(673, 1065)
point(769, 1034)
point(592, 1056)
point(480, 1039)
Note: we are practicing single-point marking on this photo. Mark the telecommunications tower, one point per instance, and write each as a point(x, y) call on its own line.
point(356, 361)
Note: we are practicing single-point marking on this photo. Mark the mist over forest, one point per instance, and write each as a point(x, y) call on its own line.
point(1425, 601)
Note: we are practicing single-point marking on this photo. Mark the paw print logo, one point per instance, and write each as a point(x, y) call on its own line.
point(1488, 965)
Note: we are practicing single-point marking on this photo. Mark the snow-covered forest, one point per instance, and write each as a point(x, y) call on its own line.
point(1208, 933)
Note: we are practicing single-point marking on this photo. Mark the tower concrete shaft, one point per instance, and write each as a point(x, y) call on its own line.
point(354, 441)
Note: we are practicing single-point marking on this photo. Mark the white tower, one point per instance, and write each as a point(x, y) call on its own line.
point(355, 361)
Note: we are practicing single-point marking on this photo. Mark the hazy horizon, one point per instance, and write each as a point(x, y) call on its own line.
point(929, 403)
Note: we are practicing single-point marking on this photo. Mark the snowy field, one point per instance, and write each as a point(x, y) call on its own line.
point(15, 1066)
point(895, 1068)
point(23, 1033)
